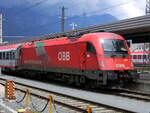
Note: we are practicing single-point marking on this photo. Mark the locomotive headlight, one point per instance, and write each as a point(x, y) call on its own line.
point(103, 63)
point(102, 40)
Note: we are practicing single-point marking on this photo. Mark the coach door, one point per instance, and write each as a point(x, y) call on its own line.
point(82, 55)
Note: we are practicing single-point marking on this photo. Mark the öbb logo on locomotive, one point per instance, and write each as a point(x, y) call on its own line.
point(98, 59)
point(64, 56)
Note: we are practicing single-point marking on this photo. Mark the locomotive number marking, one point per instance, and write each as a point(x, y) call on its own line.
point(120, 65)
point(64, 56)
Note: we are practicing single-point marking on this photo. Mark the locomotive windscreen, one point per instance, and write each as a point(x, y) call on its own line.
point(115, 47)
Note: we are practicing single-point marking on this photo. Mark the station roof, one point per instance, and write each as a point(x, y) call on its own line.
point(137, 29)
point(127, 26)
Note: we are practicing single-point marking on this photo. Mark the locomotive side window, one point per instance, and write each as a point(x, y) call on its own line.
point(90, 48)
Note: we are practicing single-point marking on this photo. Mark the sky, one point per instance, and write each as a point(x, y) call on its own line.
point(28, 17)
point(121, 9)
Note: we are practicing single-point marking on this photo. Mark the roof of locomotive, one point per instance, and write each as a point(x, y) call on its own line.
point(66, 40)
point(90, 37)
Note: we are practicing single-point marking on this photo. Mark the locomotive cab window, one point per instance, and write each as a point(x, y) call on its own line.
point(114, 45)
point(90, 48)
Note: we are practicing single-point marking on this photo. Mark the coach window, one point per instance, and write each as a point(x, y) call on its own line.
point(0, 55)
point(144, 56)
point(139, 56)
point(134, 56)
point(10, 55)
point(3, 55)
point(7, 55)
point(90, 48)
point(13, 55)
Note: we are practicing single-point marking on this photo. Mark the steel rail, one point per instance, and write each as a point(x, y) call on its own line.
point(132, 94)
point(135, 92)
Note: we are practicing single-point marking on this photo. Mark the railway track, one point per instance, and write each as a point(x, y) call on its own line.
point(73, 104)
point(133, 94)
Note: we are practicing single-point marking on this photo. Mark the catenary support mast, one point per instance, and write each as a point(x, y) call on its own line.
point(63, 19)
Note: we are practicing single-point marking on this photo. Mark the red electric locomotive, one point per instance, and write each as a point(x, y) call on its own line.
point(94, 58)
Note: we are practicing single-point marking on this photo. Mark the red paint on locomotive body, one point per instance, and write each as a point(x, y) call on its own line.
point(71, 53)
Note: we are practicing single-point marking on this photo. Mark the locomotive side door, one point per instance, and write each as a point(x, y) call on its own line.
point(91, 58)
point(82, 55)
